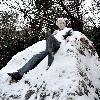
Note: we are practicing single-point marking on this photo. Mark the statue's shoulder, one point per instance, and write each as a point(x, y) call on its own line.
point(64, 31)
point(68, 29)
point(55, 32)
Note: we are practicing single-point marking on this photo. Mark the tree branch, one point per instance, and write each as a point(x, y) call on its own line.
point(69, 13)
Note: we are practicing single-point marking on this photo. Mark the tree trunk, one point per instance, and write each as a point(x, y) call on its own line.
point(76, 24)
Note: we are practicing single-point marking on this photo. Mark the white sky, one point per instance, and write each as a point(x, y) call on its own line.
point(87, 4)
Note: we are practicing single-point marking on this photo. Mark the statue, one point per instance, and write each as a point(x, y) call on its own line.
point(52, 45)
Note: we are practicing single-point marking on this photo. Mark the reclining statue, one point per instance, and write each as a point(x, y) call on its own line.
point(52, 45)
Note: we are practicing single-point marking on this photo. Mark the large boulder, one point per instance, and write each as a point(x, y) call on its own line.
point(73, 75)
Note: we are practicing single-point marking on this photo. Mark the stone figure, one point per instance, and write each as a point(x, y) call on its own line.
point(52, 45)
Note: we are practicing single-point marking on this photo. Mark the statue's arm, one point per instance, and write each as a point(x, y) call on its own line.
point(68, 33)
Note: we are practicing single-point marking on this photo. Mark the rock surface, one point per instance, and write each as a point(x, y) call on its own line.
point(73, 75)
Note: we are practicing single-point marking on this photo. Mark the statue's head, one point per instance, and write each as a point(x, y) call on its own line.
point(61, 23)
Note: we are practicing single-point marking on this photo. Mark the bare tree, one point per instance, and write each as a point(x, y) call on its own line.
point(72, 8)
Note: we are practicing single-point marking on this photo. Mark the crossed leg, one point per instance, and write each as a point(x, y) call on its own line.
point(52, 45)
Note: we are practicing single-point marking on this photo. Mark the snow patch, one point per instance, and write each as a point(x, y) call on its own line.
point(73, 75)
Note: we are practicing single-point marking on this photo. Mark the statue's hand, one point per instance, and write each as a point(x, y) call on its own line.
point(67, 34)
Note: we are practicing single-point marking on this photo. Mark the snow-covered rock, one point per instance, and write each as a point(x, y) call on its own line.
point(73, 75)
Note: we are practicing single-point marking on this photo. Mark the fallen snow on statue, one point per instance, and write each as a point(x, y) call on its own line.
point(73, 75)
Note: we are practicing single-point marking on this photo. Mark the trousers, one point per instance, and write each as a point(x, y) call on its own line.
point(52, 45)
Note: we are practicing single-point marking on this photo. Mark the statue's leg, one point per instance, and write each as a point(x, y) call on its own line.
point(33, 62)
point(50, 50)
point(52, 45)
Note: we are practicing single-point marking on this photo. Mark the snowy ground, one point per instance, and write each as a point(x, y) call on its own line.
point(73, 75)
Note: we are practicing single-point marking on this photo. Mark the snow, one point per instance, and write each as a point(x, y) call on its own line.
point(73, 75)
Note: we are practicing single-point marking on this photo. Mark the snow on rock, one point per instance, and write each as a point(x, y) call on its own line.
point(73, 75)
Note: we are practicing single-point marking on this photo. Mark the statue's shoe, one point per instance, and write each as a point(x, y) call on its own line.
point(15, 76)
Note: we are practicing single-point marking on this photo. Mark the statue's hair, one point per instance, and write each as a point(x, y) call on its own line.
point(61, 20)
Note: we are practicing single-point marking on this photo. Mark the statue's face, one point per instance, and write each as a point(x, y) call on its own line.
point(61, 24)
